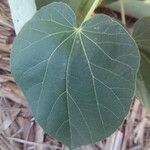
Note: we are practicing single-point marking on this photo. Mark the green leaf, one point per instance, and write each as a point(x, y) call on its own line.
point(79, 81)
point(142, 36)
point(82, 8)
point(134, 8)
point(21, 11)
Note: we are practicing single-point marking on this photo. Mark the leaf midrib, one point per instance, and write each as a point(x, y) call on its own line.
point(94, 87)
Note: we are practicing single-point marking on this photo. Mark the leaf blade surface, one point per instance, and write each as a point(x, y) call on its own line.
point(142, 36)
point(79, 81)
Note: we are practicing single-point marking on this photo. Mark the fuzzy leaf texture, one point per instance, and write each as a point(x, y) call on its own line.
point(79, 81)
point(142, 36)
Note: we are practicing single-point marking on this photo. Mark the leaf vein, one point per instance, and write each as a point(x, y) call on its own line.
point(102, 50)
point(43, 38)
point(112, 92)
point(47, 68)
point(50, 112)
point(90, 133)
point(94, 88)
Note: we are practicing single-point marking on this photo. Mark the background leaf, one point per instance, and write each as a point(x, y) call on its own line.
point(142, 36)
point(134, 8)
point(80, 7)
point(79, 81)
point(21, 11)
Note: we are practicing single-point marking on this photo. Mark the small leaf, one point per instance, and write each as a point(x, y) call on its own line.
point(21, 11)
point(142, 36)
point(80, 7)
point(79, 81)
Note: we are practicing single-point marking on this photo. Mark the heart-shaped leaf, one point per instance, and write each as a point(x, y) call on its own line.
point(79, 81)
point(142, 36)
point(82, 8)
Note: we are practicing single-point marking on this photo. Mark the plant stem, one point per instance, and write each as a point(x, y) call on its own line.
point(95, 4)
point(122, 12)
